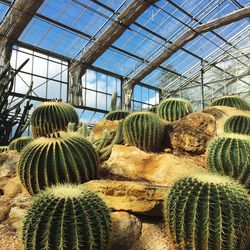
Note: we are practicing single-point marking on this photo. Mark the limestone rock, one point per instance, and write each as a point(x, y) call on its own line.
point(136, 197)
point(222, 113)
point(104, 125)
point(16, 217)
point(4, 211)
point(192, 133)
point(126, 229)
point(8, 162)
point(13, 187)
point(130, 163)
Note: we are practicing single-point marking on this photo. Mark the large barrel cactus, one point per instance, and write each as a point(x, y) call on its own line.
point(230, 155)
point(19, 143)
point(47, 161)
point(239, 124)
point(67, 217)
point(207, 212)
point(144, 130)
point(117, 115)
point(173, 109)
point(231, 101)
point(51, 117)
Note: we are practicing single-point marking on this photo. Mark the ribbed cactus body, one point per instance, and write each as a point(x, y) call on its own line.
point(67, 217)
point(144, 130)
point(231, 101)
point(117, 115)
point(48, 161)
point(19, 143)
point(239, 124)
point(230, 155)
point(51, 117)
point(207, 212)
point(173, 109)
point(3, 148)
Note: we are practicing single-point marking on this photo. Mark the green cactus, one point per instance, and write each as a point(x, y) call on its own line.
point(67, 217)
point(3, 148)
point(19, 143)
point(229, 155)
point(113, 104)
point(239, 124)
point(117, 115)
point(173, 109)
point(144, 130)
point(207, 212)
point(83, 130)
point(48, 161)
point(232, 101)
point(51, 117)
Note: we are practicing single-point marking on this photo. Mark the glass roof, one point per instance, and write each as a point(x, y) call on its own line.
point(70, 27)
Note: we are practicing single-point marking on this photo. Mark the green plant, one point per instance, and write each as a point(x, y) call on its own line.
point(229, 155)
point(113, 104)
point(207, 212)
point(238, 124)
point(67, 217)
point(173, 109)
point(48, 161)
point(231, 101)
point(3, 148)
point(144, 130)
point(83, 130)
point(51, 117)
point(117, 115)
point(19, 143)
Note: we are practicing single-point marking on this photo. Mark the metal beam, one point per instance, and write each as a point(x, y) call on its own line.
point(16, 19)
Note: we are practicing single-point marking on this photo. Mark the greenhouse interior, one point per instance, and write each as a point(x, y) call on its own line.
point(124, 124)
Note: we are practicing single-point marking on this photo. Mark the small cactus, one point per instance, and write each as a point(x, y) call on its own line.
point(144, 130)
point(173, 109)
point(231, 101)
point(117, 115)
point(51, 117)
point(239, 124)
point(207, 212)
point(83, 130)
point(3, 148)
point(19, 143)
point(229, 155)
point(113, 102)
point(67, 217)
point(48, 161)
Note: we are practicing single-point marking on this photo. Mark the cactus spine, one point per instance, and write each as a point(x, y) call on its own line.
point(229, 155)
point(117, 115)
point(239, 124)
point(51, 117)
point(207, 212)
point(231, 101)
point(67, 217)
point(48, 161)
point(19, 143)
point(144, 130)
point(173, 109)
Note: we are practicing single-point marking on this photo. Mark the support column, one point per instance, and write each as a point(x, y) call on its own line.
point(202, 85)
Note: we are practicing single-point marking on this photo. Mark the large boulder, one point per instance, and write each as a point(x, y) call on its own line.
point(102, 125)
point(130, 196)
point(222, 113)
point(130, 163)
point(192, 133)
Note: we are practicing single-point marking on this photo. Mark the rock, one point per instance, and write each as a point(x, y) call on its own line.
point(136, 197)
point(222, 113)
point(152, 237)
point(104, 125)
point(192, 133)
point(23, 200)
point(4, 211)
point(130, 163)
point(8, 162)
point(13, 187)
point(126, 229)
point(16, 217)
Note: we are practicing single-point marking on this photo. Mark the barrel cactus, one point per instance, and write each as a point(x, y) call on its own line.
point(3, 148)
point(207, 212)
point(51, 117)
point(144, 130)
point(117, 115)
point(173, 109)
point(19, 143)
point(232, 101)
point(229, 155)
point(48, 161)
point(239, 124)
point(67, 217)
